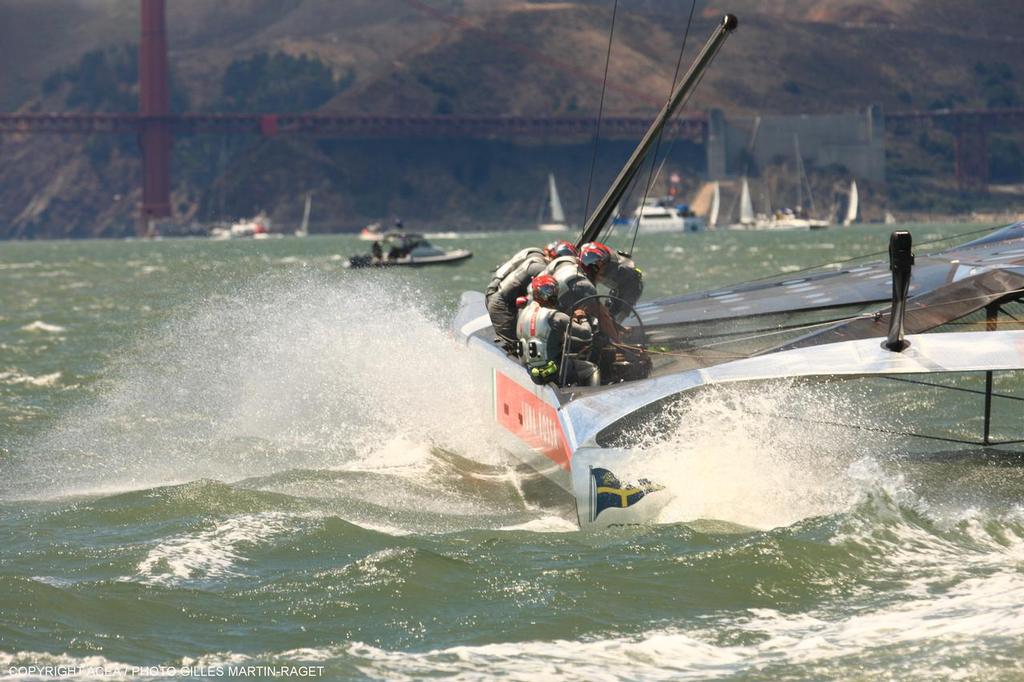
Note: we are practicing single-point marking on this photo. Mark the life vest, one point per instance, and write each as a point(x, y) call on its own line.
point(538, 348)
point(573, 285)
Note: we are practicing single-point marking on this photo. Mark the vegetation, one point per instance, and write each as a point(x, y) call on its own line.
point(106, 80)
point(278, 83)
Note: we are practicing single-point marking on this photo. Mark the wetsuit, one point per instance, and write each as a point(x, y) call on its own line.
point(573, 285)
point(511, 264)
point(501, 304)
point(625, 281)
point(541, 338)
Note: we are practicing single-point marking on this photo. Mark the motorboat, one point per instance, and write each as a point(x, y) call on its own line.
point(913, 320)
point(396, 249)
point(655, 215)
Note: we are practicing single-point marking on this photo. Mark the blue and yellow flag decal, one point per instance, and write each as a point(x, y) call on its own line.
point(611, 493)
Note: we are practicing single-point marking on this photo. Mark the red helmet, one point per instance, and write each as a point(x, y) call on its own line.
point(560, 248)
point(594, 257)
point(544, 289)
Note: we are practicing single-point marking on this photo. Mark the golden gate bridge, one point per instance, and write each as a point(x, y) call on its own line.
point(155, 125)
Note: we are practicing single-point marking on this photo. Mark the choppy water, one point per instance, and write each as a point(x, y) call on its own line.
point(240, 454)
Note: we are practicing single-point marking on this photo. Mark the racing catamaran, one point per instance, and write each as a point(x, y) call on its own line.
point(892, 320)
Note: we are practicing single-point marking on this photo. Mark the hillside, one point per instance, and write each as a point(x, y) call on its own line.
point(474, 57)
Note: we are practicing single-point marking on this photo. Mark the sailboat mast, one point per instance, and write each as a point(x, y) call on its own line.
point(596, 222)
point(799, 173)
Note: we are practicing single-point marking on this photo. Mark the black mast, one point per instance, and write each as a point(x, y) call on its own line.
point(603, 212)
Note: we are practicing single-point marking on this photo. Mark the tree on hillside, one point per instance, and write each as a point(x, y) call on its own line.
point(278, 83)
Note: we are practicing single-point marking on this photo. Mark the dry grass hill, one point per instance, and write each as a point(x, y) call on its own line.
point(471, 57)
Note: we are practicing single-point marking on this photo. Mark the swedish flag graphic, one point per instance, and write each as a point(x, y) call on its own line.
point(611, 493)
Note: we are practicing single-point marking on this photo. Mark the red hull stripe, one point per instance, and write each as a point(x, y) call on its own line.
point(530, 419)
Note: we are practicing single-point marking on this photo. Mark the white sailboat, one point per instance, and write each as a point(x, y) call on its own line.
point(716, 199)
point(852, 205)
point(748, 221)
point(557, 222)
point(303, 230)
point(800, 218)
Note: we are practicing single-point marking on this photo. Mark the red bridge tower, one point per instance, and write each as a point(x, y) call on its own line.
point(154, 109)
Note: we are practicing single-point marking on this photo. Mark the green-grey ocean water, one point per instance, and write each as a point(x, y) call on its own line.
point(218, 454)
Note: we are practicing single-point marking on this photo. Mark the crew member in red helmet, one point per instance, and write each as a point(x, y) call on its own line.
point(616, 271)
point(511, 280)
point(542, 345)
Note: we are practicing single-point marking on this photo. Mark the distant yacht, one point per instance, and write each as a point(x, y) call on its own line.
point(557, 221)
point(800, 217)
point(664, 215)
point(252, 228)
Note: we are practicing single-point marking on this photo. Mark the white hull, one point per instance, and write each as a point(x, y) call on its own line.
point(677, 224)
point(557, 436)
point(781, 225)
point(552, 227)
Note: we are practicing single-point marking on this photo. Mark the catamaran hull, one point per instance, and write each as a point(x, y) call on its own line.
point(560, 434)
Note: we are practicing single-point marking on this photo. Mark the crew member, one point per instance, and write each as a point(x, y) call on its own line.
point(529, 253)
point(516, 275)
point(577, 294)
point(541, 330)
point(616, 271)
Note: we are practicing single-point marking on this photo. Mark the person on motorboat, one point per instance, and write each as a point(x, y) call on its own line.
point(516, 275)
point(618, 272)
point(541, 330)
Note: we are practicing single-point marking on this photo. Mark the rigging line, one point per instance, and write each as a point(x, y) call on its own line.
point(600, 112)
point(870, 315)
point(762, 335)
point(981, 322)
point(953, 388)
point(780, 328)
point(861, 257)
point(661, 133)
point(853, 318)
point(878, 429)
point(875, 429)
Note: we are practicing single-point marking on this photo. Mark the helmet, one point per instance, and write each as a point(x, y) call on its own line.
point(560, 247)
point(544, 289)
point(594, 257)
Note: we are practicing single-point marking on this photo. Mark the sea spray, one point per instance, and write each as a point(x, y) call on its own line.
point(762, 455)
point(285, 372)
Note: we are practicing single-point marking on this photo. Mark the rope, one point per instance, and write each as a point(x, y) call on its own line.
point(600, 111)
point(760, 334)
point(863, 256)
point(953, 388)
